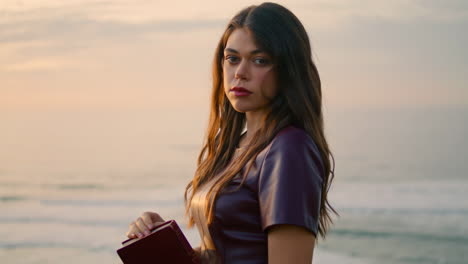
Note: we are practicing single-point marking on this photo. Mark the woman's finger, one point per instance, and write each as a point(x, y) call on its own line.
point(131, 235)
point(132, 230)
point(142, 225)
point(143, 228)
point(148, 219)
point(154, 217)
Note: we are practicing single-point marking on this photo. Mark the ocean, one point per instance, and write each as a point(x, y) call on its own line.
point(71, 182)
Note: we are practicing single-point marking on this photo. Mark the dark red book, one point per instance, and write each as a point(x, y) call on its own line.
point(165, 244)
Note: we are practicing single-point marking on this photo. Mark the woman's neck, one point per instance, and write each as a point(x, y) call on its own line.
point(254, 121)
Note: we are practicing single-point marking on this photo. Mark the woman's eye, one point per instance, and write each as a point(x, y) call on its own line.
point(261, 61)
point(231, 59)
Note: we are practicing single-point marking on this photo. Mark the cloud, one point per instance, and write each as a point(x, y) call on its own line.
point(68, 27)
point(124, 11)
point(24, 44)
point(396, 10)
point(37, 64)
point(126, 16)
point(373, 49)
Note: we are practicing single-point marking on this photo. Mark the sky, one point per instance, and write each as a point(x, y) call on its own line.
point(104, 92)
point(138, 54)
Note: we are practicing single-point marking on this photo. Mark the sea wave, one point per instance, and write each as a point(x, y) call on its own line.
point(83, 186)
point(406, 211)
point(65, 221)
point(55, 245)
point(109, 203)
point(356, 233)
point(12, 198)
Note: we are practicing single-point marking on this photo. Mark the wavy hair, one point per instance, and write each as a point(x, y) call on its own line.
point(279, 33)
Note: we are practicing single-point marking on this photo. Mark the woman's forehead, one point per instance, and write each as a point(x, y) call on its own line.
point(241, 40)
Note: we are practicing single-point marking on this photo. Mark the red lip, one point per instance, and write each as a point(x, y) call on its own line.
point(240, 89)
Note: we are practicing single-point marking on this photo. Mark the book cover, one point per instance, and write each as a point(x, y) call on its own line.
point(165, 244)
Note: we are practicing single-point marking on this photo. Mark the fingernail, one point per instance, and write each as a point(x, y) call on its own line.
point(139, 235)
point(147, 232)
point(150, 226)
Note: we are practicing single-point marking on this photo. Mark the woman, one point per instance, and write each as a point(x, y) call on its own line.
point(260, 196)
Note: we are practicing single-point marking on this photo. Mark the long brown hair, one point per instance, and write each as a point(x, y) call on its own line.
point(277, 31)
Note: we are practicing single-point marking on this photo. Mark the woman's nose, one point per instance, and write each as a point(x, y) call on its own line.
point(241, 71)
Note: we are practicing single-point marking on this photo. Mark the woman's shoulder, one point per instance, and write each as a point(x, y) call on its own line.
point(292, 136)
point(293, 149)
point(292, 141)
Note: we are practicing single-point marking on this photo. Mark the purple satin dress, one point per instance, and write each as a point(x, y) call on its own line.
point(283, 187)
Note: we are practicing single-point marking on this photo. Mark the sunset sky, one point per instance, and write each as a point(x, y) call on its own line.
point(85, 54)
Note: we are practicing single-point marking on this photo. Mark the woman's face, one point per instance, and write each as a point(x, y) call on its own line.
point(249, 75)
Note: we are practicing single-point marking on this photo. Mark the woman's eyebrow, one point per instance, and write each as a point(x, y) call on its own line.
point(256, 51)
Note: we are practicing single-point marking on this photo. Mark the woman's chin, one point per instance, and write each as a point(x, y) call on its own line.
point(241, 108)
point(244, 107)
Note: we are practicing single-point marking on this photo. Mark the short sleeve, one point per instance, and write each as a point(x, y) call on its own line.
point(290, 181)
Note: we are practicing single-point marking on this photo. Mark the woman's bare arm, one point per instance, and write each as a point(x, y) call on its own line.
point(290, 244)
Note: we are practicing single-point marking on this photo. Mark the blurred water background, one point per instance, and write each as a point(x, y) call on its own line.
point(71, 182)
point(103, 107)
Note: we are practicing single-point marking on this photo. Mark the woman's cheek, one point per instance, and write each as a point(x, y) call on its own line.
point(265, 80)
point(226, 80)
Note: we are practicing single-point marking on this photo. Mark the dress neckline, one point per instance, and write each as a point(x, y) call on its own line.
point(243, 147)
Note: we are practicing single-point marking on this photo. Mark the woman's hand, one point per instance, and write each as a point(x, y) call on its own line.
point(142, 225)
